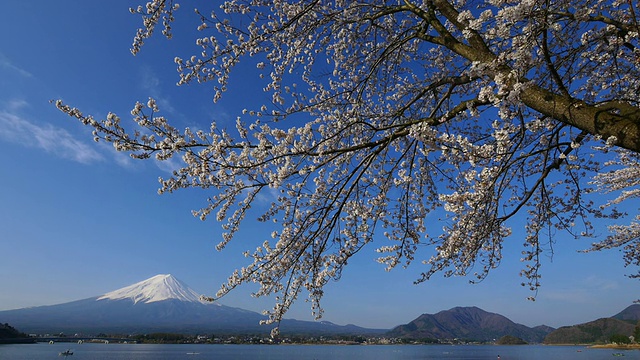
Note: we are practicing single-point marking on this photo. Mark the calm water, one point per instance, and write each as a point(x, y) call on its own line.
point(305, 352)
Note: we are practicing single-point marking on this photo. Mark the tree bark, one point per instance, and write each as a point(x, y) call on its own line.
point(611, 118)
point(608, 119)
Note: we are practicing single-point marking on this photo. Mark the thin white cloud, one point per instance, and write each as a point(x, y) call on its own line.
point(16, 104)
point(572, 296)
point(169, 165)
point(121, 158)
point(6, 64)
point(57, 141)
point(151, 83)
point(601, 284)
point(582, 292)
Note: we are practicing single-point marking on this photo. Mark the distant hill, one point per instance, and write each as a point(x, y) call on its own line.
point(510, 340)
point(631, 313)
point(597, 331)
point(159, 304)
point(468, 323)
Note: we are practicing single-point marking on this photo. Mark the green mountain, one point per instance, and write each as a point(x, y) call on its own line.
point(467, 323)
point(597, 331)
point(510, 340)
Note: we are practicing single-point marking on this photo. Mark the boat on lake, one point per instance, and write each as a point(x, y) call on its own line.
point(66, 353)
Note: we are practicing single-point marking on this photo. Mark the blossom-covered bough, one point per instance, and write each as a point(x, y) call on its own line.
point(422, 126)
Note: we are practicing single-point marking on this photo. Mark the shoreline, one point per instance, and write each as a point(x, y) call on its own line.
point(617, 346)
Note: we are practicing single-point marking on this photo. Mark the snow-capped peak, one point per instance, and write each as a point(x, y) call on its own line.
point(157, 288)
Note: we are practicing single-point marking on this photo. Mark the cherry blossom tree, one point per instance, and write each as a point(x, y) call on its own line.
point(420, 128)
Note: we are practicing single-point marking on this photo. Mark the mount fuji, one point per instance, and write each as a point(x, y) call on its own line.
point(159, 304)
point(157, 288)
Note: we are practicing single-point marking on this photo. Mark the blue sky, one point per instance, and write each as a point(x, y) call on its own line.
point(78, 219)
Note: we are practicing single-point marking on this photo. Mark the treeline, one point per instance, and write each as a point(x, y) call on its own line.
point(9, 332)
point(10, 335)
point(177, 338)
point(162, 338)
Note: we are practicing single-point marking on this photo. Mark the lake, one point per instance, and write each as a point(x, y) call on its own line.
point(304, 352)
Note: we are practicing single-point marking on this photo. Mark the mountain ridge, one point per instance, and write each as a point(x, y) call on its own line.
point(597, 331)
point(631, 313)
point(165, 304)
point(159, 304)
point(468, 323)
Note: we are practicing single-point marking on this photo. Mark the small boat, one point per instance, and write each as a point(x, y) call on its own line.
point(618, 354)
point(66, 353)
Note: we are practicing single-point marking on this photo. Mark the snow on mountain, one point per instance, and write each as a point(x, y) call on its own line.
point(159, 304)
point(157, 288)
